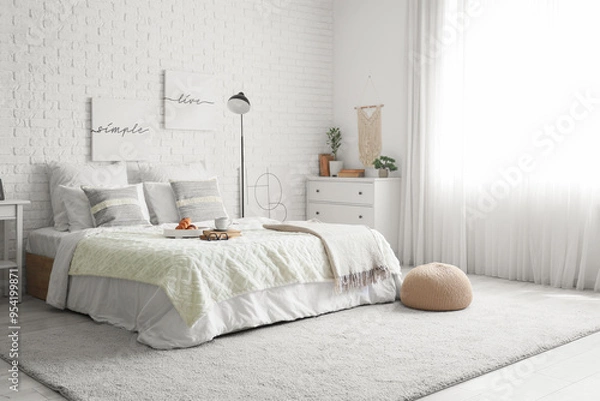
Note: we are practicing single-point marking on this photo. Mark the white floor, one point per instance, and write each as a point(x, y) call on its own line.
point(570, 372)
point(29, 389)
point(567, 373)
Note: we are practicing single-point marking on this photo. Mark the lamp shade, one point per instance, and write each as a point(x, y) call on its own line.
point(239, 104)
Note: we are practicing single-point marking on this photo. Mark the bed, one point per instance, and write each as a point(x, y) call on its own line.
point(257, 279)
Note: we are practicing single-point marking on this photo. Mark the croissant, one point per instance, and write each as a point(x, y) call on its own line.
point(184, 223)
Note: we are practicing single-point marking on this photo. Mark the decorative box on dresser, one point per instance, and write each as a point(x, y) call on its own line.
point(374, 202)
point(12, 209)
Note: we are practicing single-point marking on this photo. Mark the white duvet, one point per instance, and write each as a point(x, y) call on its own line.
point(188, 291)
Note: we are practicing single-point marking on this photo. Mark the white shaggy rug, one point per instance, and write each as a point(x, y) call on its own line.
point(382, 352)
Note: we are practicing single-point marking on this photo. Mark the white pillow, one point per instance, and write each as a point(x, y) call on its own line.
point(78, 207)
point(70, 174)
point(161, 202)
point(176, 172)
point(133, 173)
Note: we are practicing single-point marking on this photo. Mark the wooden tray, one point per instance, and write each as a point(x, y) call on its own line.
point(231, 233)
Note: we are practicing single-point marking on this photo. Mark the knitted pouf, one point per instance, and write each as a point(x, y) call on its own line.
point(436, 287)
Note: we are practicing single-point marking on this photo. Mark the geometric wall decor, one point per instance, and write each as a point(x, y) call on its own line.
point(190, 101)
point(121, 129)
point(267, 192)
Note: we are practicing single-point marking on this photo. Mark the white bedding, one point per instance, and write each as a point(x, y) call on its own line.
point(145, 308)
point(44, 241)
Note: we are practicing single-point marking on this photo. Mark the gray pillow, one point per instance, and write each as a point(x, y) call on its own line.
point(198, 200)
point(115, 206)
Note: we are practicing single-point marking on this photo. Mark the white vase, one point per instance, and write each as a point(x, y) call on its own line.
point(334, 167)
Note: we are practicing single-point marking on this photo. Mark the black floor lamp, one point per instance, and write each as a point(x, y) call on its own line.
point(239, 104)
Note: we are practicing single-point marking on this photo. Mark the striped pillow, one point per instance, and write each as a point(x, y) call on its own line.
point(115, 206)
point(198, 200)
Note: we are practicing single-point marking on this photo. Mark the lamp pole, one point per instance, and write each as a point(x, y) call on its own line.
point(242, 169)
point(239, 104)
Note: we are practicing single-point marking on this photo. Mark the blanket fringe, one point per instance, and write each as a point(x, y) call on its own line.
point(362, 279)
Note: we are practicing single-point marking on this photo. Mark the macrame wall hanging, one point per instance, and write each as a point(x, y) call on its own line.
point(369, 130)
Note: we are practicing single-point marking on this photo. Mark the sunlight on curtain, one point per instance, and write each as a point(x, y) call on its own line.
point(531, 91)
point(506, 175)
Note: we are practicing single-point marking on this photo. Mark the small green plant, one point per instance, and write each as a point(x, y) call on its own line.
point(334, 140)
point(385, 162)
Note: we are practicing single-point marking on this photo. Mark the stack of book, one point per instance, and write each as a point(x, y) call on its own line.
point(351, 173)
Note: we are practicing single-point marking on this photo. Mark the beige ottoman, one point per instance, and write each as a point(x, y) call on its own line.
point(436, 287)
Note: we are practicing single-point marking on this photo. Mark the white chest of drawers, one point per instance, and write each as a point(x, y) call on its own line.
point(374, 202)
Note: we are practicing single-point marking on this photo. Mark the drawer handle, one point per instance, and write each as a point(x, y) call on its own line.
point(318, 190)
point(360, 192)
point(360, 216)
point(317, 213)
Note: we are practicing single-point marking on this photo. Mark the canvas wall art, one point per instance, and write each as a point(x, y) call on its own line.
point(121, 129)
point(190, 101)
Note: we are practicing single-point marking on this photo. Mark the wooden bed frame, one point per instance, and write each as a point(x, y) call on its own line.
point(38, 270)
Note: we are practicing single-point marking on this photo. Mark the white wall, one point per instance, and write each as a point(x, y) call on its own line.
point(56, 55)
point(370, 39)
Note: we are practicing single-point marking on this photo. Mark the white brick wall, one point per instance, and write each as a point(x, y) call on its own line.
point(56, 55)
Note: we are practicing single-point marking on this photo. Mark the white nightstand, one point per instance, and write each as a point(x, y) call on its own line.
point(12, 209)
point(374, 202)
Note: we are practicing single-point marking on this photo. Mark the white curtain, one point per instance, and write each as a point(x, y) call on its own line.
point(502, 173)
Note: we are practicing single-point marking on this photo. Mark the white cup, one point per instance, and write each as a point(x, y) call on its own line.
point(222, 223)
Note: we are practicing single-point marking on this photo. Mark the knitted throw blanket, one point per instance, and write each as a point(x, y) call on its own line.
point(354, 254)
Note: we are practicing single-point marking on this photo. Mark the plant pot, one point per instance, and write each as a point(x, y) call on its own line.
point(334, 167)
point(371, 172)
point(383, 173)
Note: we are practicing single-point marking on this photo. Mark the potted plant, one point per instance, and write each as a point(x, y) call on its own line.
point(334, 140)
point(385, 164)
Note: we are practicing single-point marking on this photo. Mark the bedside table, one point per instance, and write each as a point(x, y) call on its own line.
point(374, 202)
point(12, 209)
